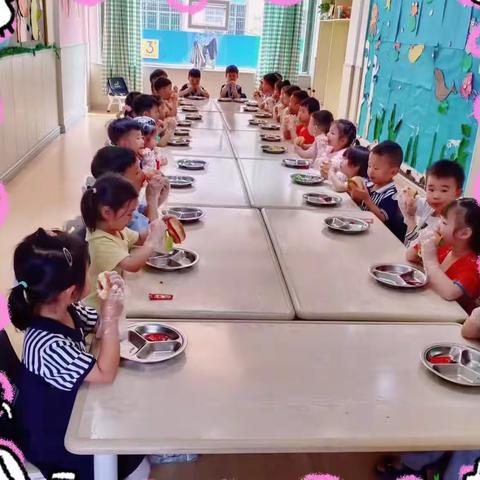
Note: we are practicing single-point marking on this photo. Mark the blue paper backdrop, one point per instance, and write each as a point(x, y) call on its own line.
point(409, 88)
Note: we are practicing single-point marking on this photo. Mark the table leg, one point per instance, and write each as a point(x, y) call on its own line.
point(106, 467)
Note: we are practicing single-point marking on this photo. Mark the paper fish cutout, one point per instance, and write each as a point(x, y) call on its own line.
point(388, 4)
point(7, 16)
point(441, 89)
point(467, 86)
point(415, 52)
point(374, 20)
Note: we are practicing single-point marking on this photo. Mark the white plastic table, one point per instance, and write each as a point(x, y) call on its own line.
point(205, 143)
point(220, 184)
point(237, 277)
point(240, 121)
point(269, 184)
point(230, 107)
point(327, 273)
point(209, 105)
point(279, 387)
point(210, 121)
point(248, 145)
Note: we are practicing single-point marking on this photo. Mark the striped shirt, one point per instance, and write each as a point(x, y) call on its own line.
point(58, 354)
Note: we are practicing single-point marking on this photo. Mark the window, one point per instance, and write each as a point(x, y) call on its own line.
point(236, 21)
point(309, 14)
point(157, 15)
point(214, 16)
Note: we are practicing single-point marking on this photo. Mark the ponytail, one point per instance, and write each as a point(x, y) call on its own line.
point(347, 130)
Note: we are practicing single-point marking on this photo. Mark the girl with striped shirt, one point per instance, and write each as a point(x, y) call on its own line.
point(51, 269)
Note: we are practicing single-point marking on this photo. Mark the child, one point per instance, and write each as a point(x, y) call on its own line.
point(107, 208)
point(354, 164)
point(268, 97)
point(231, 89)
point(51, 271)
point(301, 135)
point(379, 194)
point(193, 87)
point(285, 99)
point(444, 184)
point(128, 108)
point(281, 105)
point(157, 73)
point(152, 156)
point(122, 161)
point(126, 133)
point(341, 136)
point(452, 268)
point(318, 127)
point(290, 121)
point(162, 87)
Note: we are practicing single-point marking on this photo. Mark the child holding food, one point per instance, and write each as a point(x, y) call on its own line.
point(290, 121)
point(152, 156)
point(300, 135)
point(51, 269)
point(354, 166)
point(379, 194)
point(163, 88)
point(193, 87)
point(444, 183)
point(107, 208)
point(450, 257)
point(232, 89)
point(282, 105)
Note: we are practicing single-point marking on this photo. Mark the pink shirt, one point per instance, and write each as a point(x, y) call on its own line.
point(315, 151)
point(334, 158)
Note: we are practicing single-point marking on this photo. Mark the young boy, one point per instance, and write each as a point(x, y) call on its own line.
point(378, 195)
point(163, 88)
point(193, 87)
point(126, 133)
point(266, 95)
point(157, 73)
point(231, 89)
point(290, 121)
point(301, 135)
point(445, 180)
point(124, 162)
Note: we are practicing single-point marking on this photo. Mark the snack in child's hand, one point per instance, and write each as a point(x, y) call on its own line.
point(104, 285)
point(409, 193)
point(357, 182)
point(300, 141)
point(175, 229)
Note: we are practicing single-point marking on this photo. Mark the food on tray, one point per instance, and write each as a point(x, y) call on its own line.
point(300, 141)
point(175, 229)
point(157, 337)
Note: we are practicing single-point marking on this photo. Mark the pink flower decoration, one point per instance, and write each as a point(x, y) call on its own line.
point(469, 3)
point(185, 8)
point(409, 477)
point(473, 47)
point(9, 444)
point(321, 476)
point(476, 108)
point(464, 470)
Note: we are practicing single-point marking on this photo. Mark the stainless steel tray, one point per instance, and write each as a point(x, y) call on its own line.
point(189, 108)
point(196, 97)
point(192, 164)
point(179, 142)
point(137, 348)
point(184, 123)
point(266, 137)
point(226, 100)
point(455, 363)
point(179, 259)
point(398, 275)
point(347, 224)
point(185, 214)
point(296, 163)
point(263, 115)
point(252, 103)
point(194, 116)
point(322, 199)
point(182, 132)
point(180, 181)
point(270, 126)
point(257, 122)
point(250, 109)
point(275, 149)
point(307, 179)
point(240, 100)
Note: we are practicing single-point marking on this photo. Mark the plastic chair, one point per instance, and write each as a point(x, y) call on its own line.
point(117, 91)
point(76, 227)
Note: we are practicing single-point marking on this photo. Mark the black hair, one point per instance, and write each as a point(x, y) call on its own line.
point(292, 89)
point(358, 157)
point(323, 119)
point(271, 79)
point(232, 69)
point(393, 151)
point(161, 82)
point(346, 129)
point(112, 160)
point(157, 73)
point(195, 73)
point(278, 75)
point(448, 169)
point(282, 84)
point(470, 209)
point(120, 127)
point(144, 103)
point(45, 265)
point(129, 99)
point(300, 95)
point(311, 104)
point(110, 190)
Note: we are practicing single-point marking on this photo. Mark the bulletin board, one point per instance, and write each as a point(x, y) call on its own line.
point(422, 78)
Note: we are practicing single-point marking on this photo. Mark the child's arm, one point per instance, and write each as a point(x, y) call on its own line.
point(172, 105)
point(471, 327)
point(362, 195)
point(156, 194)
point(337, 184)
point(185, 91)
point(204, 92)
point(224, 91)
point(169, 131)
point(412, 253)
point(310, 153)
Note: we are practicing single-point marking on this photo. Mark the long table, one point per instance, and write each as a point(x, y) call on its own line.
point(249, 145)
point(206, 143)
point(237, 277)
point(209, 121)
point(328, 273)
point(263, 387)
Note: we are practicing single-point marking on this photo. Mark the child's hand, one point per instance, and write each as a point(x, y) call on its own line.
point(407, 203)
point(300, 141)
point(174, 97)
point(170, 123)
point(325, 168)
point(428, 250)
point(359, 194)
point(156, 233)
point(112, 307)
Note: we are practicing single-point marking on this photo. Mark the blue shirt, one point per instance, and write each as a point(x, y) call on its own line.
point(385, 199)
point(139, 221)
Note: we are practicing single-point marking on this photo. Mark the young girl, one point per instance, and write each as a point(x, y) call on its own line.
point(51, 271)
point(163, 88)
point(354, 164)
point(282, 104)
point(340, 137)
point(128, 108)
point(452, 268)
point(318, 127)
point(107, 209)
point(152, 157)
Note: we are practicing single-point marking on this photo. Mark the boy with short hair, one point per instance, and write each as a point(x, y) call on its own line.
point(379, 194)
point(290, 121)
point(193, 87)
point(126, 133)
point(157, 73)
point(162, 87)
point(231, 89)
point(444, 184)
point(300, 134)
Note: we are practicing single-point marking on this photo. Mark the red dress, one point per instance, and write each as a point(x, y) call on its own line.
point(302, 131)
point(465, 274)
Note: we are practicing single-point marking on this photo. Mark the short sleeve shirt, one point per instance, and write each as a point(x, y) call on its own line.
point(106, 252)
point(302, 131)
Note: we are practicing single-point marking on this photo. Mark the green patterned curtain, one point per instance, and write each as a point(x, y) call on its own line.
point(281, 41)
point(122, 42)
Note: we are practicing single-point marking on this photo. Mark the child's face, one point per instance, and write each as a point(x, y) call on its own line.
point(232, 77)
point(150, 141)
point(267, 88)
point(453, 229)
point(294, 105)
point(154, 112)
point(135, 175)
point(441, 192)
point(380, 171)
point(166, 92)
point(347, 169)
point(313, 128)
point(334, 138)
point(285, 98)
point(121, 218)
point(132, 140)
point(194, 82)
point(303, 115)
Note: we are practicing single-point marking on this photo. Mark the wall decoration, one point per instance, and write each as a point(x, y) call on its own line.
point(415, 52)
point(470, 3)
point(7, 16)
point(441, 89)
point(373, 20)
point(467, 86)
point(473, 45)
